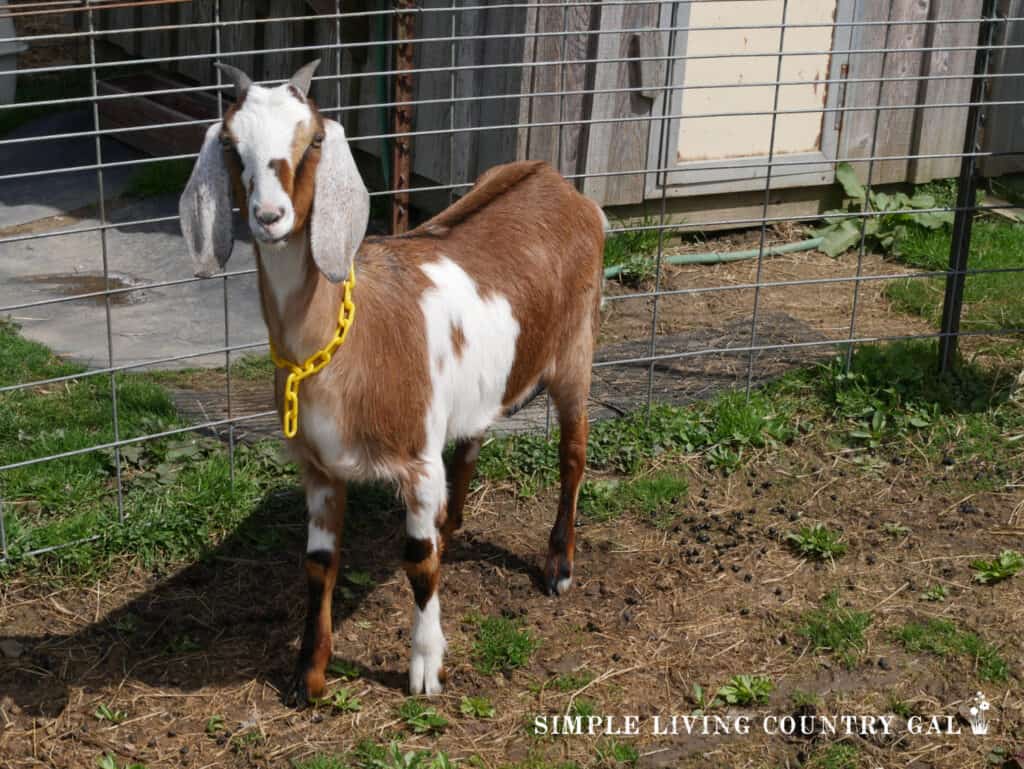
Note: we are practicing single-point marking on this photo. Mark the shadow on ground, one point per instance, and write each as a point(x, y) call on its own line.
point(234, 615)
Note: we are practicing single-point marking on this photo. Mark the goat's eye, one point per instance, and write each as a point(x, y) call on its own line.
point(225, 140)
point(318, 139)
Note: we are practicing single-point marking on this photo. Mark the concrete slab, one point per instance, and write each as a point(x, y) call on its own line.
point(37, 197)
point(147, 325)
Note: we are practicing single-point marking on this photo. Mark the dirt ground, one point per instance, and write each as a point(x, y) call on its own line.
point(652, 613)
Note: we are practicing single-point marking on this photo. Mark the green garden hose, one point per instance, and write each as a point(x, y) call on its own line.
point(714, 257)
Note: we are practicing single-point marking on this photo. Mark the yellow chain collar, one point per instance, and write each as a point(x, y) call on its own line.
point(316, 361)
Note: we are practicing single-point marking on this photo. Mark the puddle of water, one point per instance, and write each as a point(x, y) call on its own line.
point(74, 283)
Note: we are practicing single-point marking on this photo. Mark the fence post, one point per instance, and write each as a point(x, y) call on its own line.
point(967, 194)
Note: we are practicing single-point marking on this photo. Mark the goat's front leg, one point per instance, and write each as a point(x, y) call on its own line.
point(326, 503)
point(425, 498)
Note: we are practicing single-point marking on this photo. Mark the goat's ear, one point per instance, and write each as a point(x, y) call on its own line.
point(341, 206)
point(205, 208)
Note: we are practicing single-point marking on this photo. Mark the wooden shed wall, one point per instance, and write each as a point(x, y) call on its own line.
point(593, 135)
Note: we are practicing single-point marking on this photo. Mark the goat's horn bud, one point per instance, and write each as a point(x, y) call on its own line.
point(241, 80)
point(304, 76)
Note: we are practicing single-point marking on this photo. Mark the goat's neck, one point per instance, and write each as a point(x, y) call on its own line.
point(300, 306)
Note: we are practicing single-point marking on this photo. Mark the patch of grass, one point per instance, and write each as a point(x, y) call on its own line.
point(501, 644)
point(476, 707)
point(725, 430)
point(656, 497)
point(421, 718)
point(583, 708)
point(945, 639)
point(991, 300)
point(163, 177)
point(570, 682)
point(746, 690)
point(612, 753)
point(835, 628)
point(253, 368)
point(634, 250)
point(817, 541)
point(178, 495)
point(1005, 565)
point(802, 699)
point(838, 755)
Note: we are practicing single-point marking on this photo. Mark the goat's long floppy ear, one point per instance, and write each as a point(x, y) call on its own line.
point(341, 206)
point(205, 208)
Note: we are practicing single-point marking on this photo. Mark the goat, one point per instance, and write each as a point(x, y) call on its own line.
point(459, 321)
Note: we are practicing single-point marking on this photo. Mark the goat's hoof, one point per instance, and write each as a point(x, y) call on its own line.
point(306, 687)
point(557, 575)
point(426, 675)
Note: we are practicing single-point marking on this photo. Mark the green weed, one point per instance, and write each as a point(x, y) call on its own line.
point(944, 639)
point(803, 699)
point(343, 701)
point(343, 669)
point(817, 541)
point(835, 628)
point(104, 712)
point(612, 753)
point(476, 707)
point(936, 593)
point(107, 761)
point(570, 682)
point(893, 217)
point(1005, 565)
point(214, 724)
point(838, 755)
point(745, 690)
point(583, 708)
point(501, 644)
point(420, 717)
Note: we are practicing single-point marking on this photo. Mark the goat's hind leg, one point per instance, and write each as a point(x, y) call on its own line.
point(460, 473)
point(425, 498)
point(572, 458)
point(326, 503)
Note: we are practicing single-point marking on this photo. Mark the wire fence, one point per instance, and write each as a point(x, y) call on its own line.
point(715, 133)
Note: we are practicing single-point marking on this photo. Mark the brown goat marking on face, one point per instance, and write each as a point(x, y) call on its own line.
point(458, 340)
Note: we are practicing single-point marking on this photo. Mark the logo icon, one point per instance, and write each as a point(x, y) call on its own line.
point(977, 714)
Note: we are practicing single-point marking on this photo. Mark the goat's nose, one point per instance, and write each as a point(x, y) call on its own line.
point(267, 216)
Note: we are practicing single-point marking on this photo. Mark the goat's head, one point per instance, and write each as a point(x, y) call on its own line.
point(288, 166)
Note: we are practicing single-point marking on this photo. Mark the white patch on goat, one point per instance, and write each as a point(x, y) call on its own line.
point(429, 497)
point(317, 499)
point(318, 427)
point(428, 647)
point(318, 539)
point(467, 389)
point(563, 585)
point(264, 128)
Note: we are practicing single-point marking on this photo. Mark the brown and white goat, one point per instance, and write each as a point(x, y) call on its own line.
point(458, 321)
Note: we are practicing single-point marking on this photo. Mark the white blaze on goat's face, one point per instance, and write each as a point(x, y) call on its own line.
point(269, 131)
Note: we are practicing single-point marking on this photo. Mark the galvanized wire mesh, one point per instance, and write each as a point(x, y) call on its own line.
point(508, 81)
